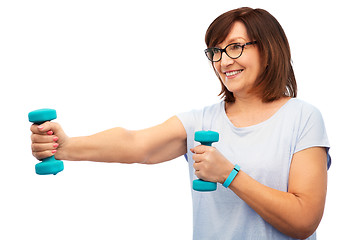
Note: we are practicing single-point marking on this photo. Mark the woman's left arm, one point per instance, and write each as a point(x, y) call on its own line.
point(296, 213)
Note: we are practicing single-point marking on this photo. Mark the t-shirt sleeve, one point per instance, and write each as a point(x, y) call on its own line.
point(312, 132)
point(190, 120)
point(187, 119)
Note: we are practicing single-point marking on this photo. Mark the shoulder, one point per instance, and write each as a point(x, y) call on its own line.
point(302, 110)
point(301, 105)
point(197, 114)
point(311, 126)
point(303, 120)
point(213, 110)
point(197, 118)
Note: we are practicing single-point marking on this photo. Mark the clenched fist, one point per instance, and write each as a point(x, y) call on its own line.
point(210, 165)
point(48, 139)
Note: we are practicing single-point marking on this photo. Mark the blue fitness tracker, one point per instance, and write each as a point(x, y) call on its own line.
point(231, 176)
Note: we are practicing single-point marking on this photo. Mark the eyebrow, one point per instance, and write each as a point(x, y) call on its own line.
point(235, 39)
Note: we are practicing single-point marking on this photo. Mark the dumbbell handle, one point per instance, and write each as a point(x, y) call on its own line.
point(198, 184)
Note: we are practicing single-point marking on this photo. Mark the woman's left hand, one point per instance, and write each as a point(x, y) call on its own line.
point(210, 164)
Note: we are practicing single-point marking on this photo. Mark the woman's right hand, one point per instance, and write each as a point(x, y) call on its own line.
point(48, 139)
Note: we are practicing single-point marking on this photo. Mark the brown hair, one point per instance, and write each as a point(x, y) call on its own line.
point(277, 79)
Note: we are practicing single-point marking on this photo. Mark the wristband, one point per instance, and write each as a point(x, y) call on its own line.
point(231, 176)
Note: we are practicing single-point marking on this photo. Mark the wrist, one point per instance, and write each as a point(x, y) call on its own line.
point(231, 176)
point(64, 149)
point(227, 172)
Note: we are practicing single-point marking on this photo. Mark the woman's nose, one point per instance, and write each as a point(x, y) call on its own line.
point(226, 60)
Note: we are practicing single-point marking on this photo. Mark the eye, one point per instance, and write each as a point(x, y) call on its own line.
point(235, 46)
point(215, 50)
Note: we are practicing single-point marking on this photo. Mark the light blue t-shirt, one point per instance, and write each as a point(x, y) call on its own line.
point(263, 151)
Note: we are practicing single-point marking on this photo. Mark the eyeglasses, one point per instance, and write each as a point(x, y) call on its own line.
point(233, 50)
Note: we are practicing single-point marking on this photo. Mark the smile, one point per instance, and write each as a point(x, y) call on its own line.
point(232, 73)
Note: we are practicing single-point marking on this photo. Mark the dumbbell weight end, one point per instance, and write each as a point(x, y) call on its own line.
point(49, 166)
point(204, 186)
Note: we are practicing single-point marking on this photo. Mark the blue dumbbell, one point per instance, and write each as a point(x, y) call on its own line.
point(205, 138)
point(48, 165)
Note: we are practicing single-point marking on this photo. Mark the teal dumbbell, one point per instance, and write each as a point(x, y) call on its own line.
point(48, 165)
point(205, 138)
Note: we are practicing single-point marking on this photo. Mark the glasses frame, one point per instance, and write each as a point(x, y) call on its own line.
point(223, 50)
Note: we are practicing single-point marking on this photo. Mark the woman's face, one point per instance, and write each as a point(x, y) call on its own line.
point(239, 75)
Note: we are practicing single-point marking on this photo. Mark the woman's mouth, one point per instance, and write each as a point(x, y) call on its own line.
point(231, 74)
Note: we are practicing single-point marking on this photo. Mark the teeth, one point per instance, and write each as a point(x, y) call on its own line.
point(228, 74)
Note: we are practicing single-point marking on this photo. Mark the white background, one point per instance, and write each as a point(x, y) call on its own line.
point(134, 64)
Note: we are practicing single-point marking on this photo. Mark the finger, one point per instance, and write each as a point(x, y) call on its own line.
point(40, 138)
point(36, 129)
point(45, 128)
point(45, 154)
point(197, 158)
point(196, 166)
point(200, 149)
point(41, 147)
point(199, 174)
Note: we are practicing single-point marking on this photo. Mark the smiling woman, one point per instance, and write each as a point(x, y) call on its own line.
point(272, 157)
point(276, 77)
point(278, 144)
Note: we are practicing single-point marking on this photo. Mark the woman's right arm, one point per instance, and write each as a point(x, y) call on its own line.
point(157, 144)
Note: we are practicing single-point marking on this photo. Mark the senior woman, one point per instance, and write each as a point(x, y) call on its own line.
point(276, 143)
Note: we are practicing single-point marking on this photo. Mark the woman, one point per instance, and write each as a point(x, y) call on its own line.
point(276, 143)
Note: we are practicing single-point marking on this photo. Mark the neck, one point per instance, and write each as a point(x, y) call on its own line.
point(252, 110)
point(247, 104)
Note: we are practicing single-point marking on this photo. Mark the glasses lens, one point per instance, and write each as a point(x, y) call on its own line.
point(213, 54)
point(209, 54)
point(234, 50)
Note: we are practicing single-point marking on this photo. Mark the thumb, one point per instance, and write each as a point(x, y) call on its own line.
point(51, 128)
point(46, 127)
point(200, 149)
